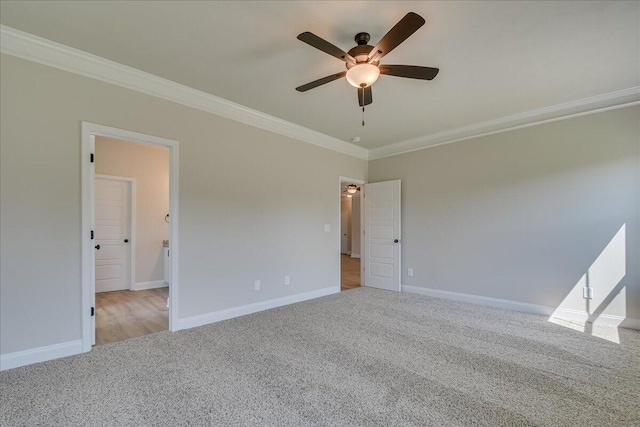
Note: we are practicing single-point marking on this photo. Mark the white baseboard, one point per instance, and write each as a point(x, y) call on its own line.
point(581, 317)
point(628, 322)
point(477, 299)
point(140, 286)
point(575, 316)
point(40, 354)
point(229, 313)
point(355, 255)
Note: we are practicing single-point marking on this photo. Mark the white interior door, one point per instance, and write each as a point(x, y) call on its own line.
point(381, 267)
point(113, 225)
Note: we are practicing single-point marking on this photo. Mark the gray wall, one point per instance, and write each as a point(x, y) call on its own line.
point(528, 215)
point(242, 214)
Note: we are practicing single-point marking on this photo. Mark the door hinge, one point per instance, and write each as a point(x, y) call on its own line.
point(93, 311)
point(91, 234)
point(168, 250)
point(91, 157)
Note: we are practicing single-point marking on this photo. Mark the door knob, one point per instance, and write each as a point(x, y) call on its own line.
point(395, 241)
point(98, 247)
point(126, 240)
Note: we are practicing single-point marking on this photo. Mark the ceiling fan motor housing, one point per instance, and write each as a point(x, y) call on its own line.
point(361, 54)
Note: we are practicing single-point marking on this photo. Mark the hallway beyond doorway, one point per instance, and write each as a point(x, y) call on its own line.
point(350, 268)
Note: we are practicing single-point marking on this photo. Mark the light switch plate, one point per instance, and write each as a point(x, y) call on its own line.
point(327, 228)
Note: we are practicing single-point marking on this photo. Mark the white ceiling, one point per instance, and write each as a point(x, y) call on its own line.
point(495, 58)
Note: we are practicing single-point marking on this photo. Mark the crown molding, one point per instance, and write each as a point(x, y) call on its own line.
point(37, 49)
point(594, 104)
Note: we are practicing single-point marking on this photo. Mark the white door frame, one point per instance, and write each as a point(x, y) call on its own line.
point(342, 179)
point(132, 223)
point(89, 132)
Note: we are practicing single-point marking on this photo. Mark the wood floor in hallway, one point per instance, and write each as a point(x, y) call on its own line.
point(350, 272)
point(129, 314)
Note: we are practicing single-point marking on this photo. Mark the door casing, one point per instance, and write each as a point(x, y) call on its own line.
point(89, 132)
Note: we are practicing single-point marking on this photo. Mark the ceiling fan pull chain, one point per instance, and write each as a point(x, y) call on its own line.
point(363, 86)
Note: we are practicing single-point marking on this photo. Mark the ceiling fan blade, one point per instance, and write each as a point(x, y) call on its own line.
point(368, 96)
point(410, 71)
point(323, 45)
point(320, 82)
point(399, 33)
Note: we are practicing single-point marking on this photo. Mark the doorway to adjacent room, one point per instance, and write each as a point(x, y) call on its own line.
point(131, 233)
point(129, 212)
point(350, 233)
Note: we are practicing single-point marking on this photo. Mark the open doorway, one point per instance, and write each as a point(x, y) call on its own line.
point(129, 215)
point(350, 233)
point(131, 208)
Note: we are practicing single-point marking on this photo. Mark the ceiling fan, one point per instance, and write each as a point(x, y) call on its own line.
point(363, 61)
point(350, 190)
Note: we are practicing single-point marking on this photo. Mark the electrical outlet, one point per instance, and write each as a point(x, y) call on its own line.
point(587, 293)
point(256, 285)
point(410, 272)
point(287, 280)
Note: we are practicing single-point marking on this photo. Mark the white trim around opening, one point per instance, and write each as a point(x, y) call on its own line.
point(89, 132)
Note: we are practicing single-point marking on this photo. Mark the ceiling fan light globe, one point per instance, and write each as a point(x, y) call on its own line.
point(363, 74)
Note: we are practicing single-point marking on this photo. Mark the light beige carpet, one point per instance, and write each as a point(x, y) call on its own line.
point(359, 358)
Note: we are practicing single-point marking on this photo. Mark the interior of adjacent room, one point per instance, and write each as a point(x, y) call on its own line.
point(132, 263)
point(350, 236)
